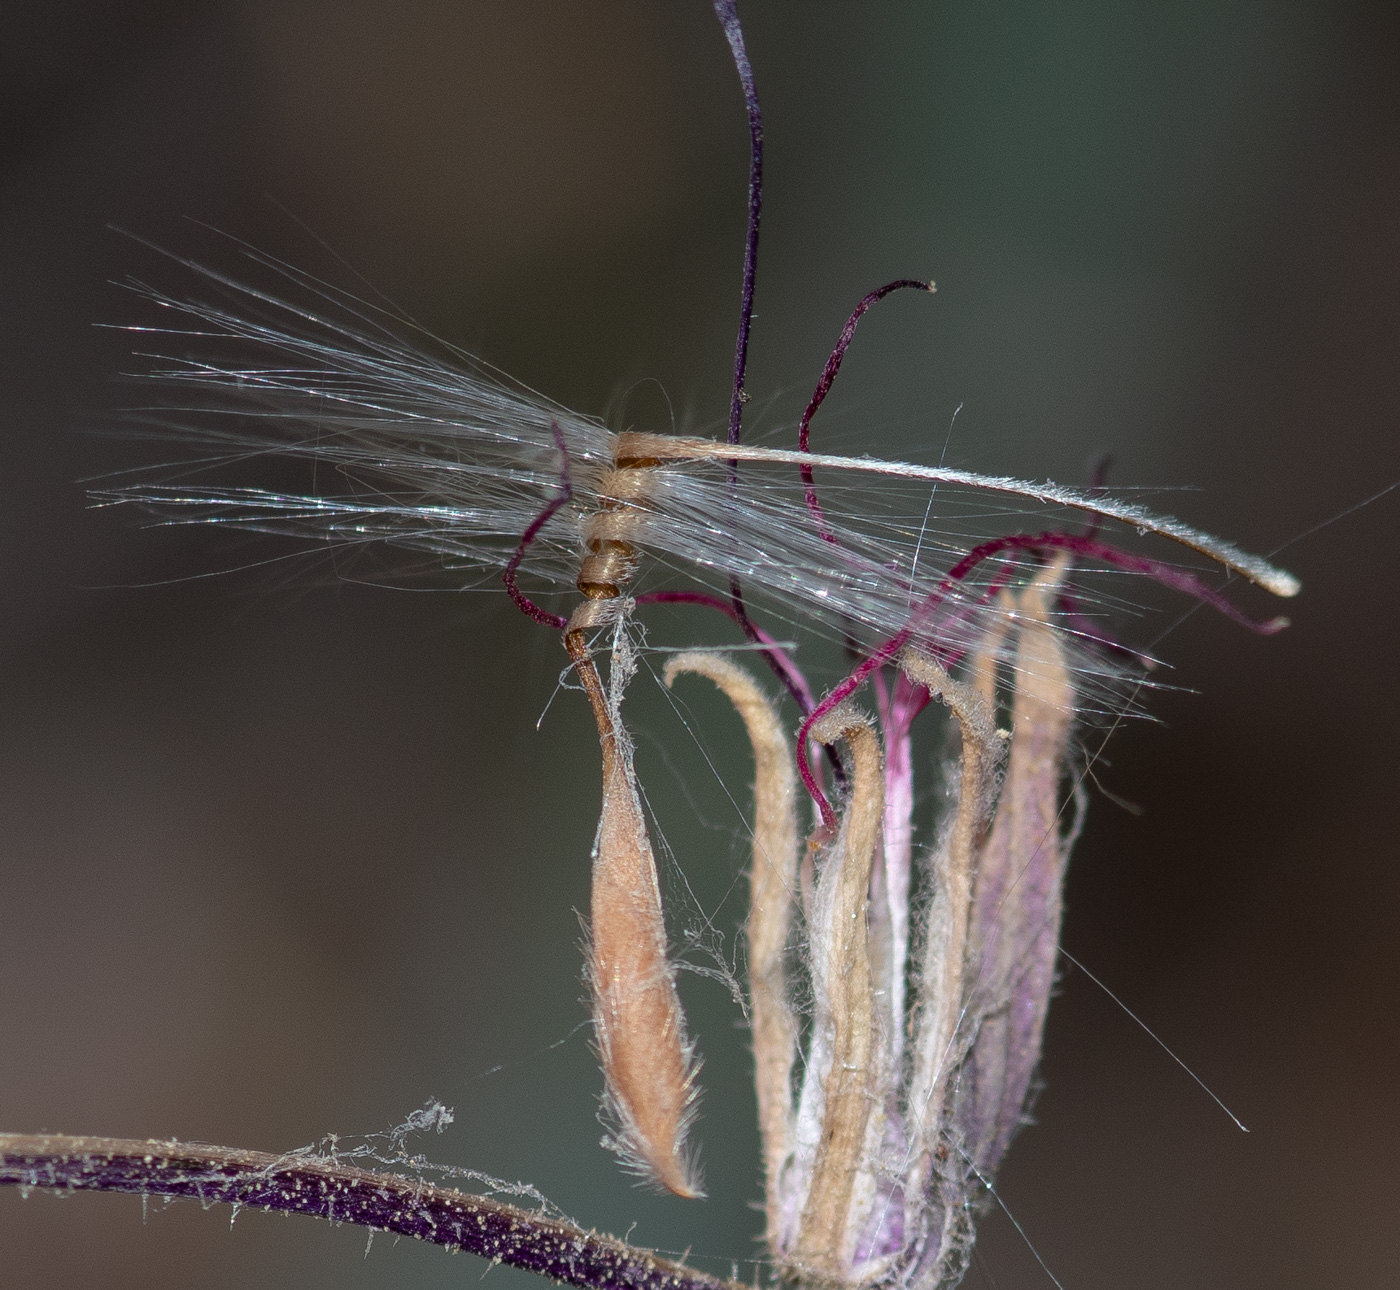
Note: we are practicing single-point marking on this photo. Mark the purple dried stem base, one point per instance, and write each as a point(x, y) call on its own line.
point(326, 1188)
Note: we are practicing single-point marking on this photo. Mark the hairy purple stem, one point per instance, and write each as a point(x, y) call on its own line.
point(325, 1188)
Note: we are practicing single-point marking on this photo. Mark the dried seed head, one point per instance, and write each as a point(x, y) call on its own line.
point(874, 1175)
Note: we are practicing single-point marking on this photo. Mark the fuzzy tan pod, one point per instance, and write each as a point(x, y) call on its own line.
point(648, 1068)
point(772, 881)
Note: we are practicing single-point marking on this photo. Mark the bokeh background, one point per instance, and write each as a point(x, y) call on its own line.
point(284, 857)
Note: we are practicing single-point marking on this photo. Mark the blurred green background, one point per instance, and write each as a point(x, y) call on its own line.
point(282, 857)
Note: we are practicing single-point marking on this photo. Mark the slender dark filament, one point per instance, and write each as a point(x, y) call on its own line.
point(323, 1187)
point(833, 365)
point(564, 496)
point(728, 14)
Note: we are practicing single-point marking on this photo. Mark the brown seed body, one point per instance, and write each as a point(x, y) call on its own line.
point(638, 1024)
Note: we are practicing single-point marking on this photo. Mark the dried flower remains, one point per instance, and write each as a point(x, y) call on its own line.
point(897, 990)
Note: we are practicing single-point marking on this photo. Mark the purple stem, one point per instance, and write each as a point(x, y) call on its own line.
point(728, 14)
point(824, 383)
point(562, 498)
point(326, 1188)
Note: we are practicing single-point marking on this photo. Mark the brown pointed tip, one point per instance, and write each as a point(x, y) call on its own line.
point(681, 1184)
point(672, 1169)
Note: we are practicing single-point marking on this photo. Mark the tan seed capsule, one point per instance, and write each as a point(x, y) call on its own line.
point(648, 1070)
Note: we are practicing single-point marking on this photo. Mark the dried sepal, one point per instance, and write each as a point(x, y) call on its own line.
point(772, 879)
point(991, 929)
point(1017, 903)
point(896, 1140)
point(839, 1114)
point(639, 1029)
point(938, 1005)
